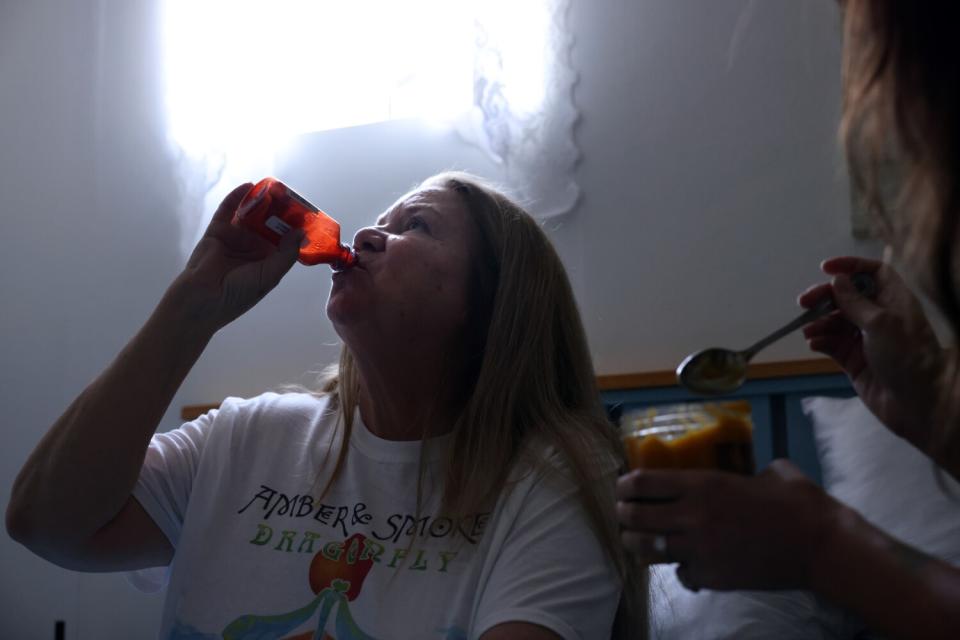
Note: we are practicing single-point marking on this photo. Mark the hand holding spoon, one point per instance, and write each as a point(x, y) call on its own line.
point(716, 370)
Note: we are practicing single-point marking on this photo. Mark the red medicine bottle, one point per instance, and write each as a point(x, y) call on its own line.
point(271, 208)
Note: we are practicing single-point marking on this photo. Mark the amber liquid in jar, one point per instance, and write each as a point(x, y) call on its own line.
point(692, 436)
point(271, 209)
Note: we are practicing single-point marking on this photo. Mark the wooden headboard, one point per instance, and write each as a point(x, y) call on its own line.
point(774, 390)
point(758, 371)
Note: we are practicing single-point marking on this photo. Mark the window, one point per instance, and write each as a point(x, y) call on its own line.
point(248, 72)
point(244, 77)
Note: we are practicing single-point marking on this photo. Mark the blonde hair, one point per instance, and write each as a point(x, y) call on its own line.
point(533, 384)
point(901, 133)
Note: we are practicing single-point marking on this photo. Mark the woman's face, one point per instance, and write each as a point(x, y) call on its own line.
point(411, 285)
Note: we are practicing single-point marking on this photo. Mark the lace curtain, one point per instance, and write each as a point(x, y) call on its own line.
point(536, 147)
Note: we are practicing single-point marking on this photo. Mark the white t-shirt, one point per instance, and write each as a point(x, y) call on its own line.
point(258, 557)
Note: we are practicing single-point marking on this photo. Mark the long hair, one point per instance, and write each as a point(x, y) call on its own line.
point(532, 384)
point(901, 133)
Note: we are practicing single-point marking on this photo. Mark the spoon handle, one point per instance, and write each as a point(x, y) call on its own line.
point(808, 316)
point(864, 284)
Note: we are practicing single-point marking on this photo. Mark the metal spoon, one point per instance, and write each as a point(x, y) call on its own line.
point(716, 370)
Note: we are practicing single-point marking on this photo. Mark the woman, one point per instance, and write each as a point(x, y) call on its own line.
point(444, 485)
point(779, 530)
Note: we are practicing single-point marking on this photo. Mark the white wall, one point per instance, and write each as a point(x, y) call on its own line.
point(88, 247)
point(713, 181)
point(712, 188)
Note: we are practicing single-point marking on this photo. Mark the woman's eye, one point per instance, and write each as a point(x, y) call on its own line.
point(415, 222)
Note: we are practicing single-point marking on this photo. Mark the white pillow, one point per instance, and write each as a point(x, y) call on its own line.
point(679, 614)
point(885, 478)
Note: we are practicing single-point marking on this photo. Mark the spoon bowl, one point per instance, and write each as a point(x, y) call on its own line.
point(713, 371)
point(716, 370)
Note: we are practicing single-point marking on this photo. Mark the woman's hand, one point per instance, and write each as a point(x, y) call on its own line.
point(780, 531)
point(885, 345)
point(231, 268)
point(727, 531)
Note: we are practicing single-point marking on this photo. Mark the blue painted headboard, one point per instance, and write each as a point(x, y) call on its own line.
point(781, 430)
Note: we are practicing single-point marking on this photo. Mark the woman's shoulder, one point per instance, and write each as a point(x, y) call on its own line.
point(546, 466)
point(561, 456)
point(272, 411)
point(272, 403)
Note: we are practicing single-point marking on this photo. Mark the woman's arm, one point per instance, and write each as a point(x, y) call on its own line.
point(81, 473)
point(780, 531)
point(80, 476)
point(894, 588)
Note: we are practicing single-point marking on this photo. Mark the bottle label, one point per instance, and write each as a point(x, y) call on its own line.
point(277, 225)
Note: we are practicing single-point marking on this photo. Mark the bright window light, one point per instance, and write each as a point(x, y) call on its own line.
point(251, 71)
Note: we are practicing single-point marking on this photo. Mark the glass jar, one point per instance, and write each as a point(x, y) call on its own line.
point(710, 435)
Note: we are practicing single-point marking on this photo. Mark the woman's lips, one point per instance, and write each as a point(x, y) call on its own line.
point(340, 271)
point(339, 267)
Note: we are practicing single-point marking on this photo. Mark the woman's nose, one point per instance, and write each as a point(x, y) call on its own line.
point(369, 239)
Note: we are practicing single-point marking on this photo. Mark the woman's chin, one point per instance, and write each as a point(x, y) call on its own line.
point(343, 312)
